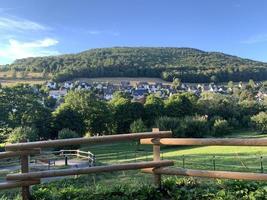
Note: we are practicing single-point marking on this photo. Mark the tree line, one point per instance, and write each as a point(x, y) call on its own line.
point(28, 113)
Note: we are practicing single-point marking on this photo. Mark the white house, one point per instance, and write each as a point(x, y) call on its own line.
point(56, 94)
point(68, 85)
point(51, 85)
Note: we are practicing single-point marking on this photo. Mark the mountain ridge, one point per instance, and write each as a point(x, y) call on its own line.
point(188, 64)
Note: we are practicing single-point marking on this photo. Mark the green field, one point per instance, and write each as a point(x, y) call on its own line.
point(230, 158)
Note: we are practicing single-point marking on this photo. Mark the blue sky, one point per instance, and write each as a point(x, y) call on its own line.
point(51, 27)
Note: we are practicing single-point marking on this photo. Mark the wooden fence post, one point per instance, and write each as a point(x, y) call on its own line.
point(156, 157)
point(25, 169)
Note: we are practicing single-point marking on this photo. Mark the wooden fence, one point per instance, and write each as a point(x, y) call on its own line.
point(157, 167)
point(23, 150)
point(156, 142)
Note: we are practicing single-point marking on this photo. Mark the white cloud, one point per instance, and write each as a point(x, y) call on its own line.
point(7, 23)
point(103, 32)
point(17, 49)
point(261, 38)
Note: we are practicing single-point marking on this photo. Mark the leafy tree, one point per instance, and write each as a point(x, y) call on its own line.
point(178, 105)
point(96, 114)
point(212, 104)
point(196, 126)
point(176, 83)
point(168, 123)
point(50, 102)
point(260, 121)
point(21, 105)
point(137, 126)
point(23, 134)
point(153, 108)
point(221, 127)
point(125, 112)
point(65, 117)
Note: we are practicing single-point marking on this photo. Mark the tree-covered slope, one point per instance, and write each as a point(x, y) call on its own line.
point(190, 65)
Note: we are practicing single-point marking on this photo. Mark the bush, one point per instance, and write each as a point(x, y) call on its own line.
point(137, 126)
point(196, 126)
point(167, 123)
point(260, 122)
point(221, 127)
point(67, 134)
point(172, 188)
point(23, 134)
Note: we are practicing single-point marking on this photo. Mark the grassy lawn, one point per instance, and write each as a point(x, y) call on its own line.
point(232, 158)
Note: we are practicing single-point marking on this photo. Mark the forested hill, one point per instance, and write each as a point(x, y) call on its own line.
point(190, 65)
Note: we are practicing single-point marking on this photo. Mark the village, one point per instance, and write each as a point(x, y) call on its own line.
point(139, 90)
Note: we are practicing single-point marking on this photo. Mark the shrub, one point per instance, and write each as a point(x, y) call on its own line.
point(167, 123)
point(196, 126)
point(221, 127)
point(172, 188)
point(137, 126)
point(67, 134)
point(260, 121)
point(22, 134)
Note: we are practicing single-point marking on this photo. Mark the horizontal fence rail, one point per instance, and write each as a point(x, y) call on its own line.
point(91, 140)
point(88, 170)
point(206, 141)
point(9, 154)
point(15, 184)
point(208, 173)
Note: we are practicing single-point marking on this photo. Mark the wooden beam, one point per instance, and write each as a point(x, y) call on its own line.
point(9, 154)
point(208, 174)
point(156, 157)
point(88, 170)
point(15, 184)
point(25, 190)
point(206, 141)
point(91, 140)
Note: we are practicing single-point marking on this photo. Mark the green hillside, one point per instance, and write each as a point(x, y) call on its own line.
point(190, 65)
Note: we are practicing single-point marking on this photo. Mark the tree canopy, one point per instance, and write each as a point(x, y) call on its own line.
point(185, 64)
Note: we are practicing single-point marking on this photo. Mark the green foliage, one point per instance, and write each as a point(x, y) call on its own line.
point(23, 134)
point(125, 112)
point(22, 105)
point(137, 126)
point(178, 105)
point(196, 126)
point(50, 102)
point(168, 123)
point(172, 188)
point(189, 126)
point(221, 127)
point(186, 64)
point(260, 121)
point(67, 134)
point(153, 108)
point(66, 117)
point(95, 113)
point(214, 104)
